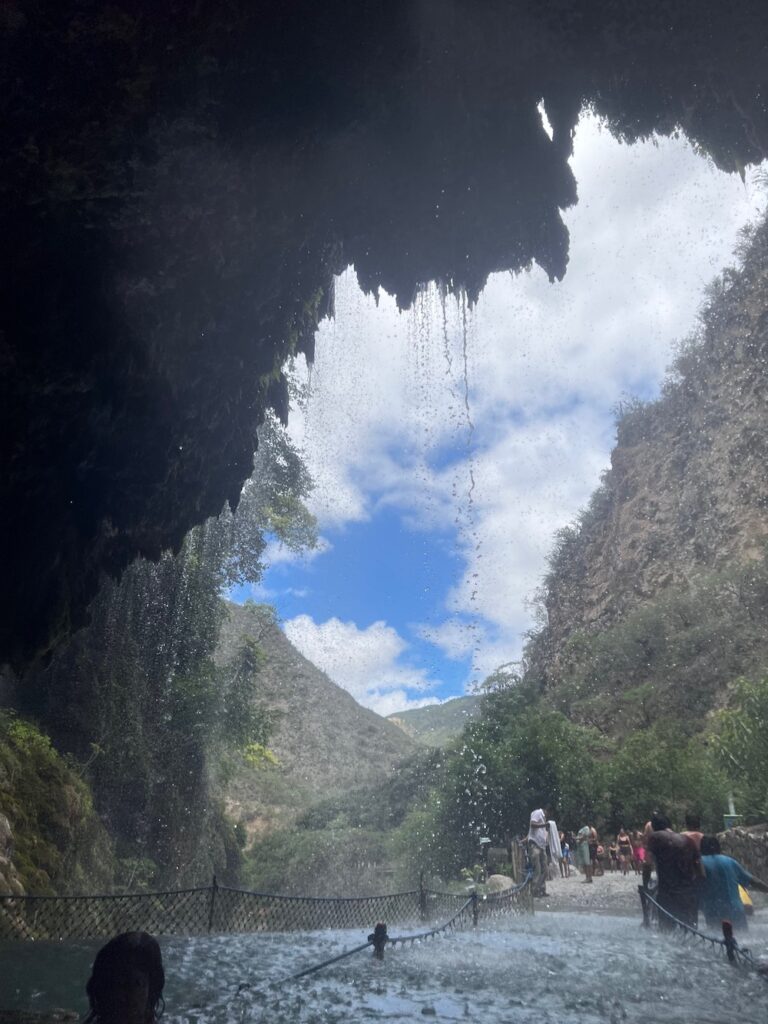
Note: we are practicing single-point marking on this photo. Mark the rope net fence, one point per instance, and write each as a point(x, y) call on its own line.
point(217, 909)
point(517, 900)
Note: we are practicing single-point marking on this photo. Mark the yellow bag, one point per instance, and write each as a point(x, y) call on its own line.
point(746, 899)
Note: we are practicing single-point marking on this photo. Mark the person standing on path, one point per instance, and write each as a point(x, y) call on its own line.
point(536, 847)
point(594, 852)
point(613, 855)
point(624, 844)
point(565, 859)
point(678, 868)
point(583, 858)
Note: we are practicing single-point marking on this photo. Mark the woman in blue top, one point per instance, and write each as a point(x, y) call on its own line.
point(719, 897)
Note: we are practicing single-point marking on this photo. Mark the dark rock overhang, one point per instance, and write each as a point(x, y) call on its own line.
point(180, 182)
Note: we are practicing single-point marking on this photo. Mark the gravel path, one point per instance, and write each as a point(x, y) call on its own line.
point(612, 893)
point(609, 893)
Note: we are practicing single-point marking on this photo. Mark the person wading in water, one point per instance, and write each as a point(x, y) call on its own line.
point(126, 983)
point(693, 829)
point(679, 870)
point(720, 896)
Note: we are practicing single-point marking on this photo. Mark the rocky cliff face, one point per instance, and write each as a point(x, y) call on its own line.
point(687, 490)
point(661, 581)
point(324, 742)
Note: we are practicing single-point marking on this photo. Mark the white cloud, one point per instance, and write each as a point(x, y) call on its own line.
point(276, 553)
point(367, 662)
point(454, 637)
point(541, 366)
point(393, 701)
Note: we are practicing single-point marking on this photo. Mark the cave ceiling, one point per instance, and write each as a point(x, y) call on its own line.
point(181, 182)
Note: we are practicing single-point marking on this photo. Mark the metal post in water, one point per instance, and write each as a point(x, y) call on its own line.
point(475, 913)
point(378, 939)
point(422, 898)
point(644, 904)
point(214, 887)
point(730, 942)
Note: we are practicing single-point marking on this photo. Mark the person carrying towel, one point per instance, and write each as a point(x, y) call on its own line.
point(536, 848)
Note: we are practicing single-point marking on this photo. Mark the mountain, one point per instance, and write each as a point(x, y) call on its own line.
point(437, 724)
point(323, 741)
point(656, 597)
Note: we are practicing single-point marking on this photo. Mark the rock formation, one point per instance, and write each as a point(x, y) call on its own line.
point(687, 489)
point(180, 185)
point(661, 584)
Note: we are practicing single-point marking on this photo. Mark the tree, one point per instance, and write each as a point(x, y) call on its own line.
point(740, 737)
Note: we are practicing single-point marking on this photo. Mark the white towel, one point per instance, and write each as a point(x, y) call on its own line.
point(554, 841)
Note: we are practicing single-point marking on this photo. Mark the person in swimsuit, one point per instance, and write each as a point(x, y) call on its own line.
point(594, 855)
point(638, 851)
point(613, 853)
point(624, 844)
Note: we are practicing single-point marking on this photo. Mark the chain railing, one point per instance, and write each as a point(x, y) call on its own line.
point(516, 900)
point(728, 946)
point(222, 909)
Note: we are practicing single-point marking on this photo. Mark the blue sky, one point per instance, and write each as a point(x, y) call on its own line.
point(378, 571)
point(423, 581)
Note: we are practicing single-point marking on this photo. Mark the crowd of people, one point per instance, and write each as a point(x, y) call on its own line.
point(692, 874)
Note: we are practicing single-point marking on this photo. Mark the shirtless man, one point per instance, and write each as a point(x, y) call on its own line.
point(693, 829)
point(678, 869)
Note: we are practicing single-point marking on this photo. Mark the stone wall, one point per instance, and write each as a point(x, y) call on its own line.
point(749, 846)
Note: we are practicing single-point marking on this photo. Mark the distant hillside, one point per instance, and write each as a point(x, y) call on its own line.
point(324, 741)
point(656, 597)
point(437, 724)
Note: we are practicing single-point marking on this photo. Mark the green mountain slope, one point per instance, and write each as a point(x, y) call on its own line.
point(323, 742)
point(437, 724)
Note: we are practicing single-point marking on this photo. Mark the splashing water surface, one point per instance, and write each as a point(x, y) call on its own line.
point(549, 968)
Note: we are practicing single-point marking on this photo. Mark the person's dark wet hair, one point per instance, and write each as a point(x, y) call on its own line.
point(659, 822)
point(693, 822)
point(126, 983)
point(710, 845)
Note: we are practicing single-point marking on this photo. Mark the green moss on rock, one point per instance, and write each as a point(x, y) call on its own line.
point(59, 843)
